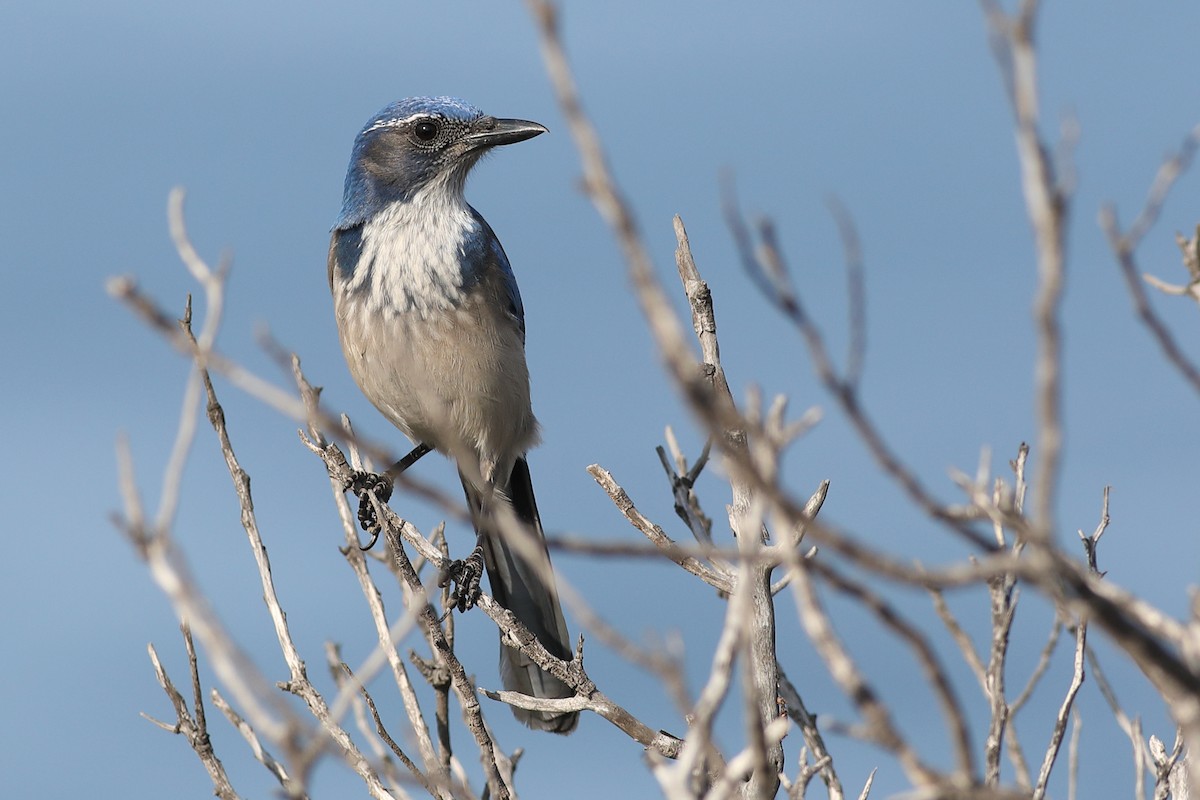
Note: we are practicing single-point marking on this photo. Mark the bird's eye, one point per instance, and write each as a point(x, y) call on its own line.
point(426, 130)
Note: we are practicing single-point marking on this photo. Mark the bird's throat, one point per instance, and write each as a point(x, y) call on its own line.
point(412, 255)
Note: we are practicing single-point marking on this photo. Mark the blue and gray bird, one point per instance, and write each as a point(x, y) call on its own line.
point(433, 330)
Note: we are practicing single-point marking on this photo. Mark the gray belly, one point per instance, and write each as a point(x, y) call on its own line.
point(452, 379)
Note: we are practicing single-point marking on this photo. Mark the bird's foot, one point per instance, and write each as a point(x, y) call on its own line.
point(465, 574)
point(362, 484)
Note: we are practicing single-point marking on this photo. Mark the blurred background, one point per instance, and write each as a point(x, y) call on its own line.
point(897, 110)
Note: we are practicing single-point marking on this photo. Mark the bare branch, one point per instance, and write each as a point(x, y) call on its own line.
point(261, 753)
point(845, 672)
point(1124, 245)
point(1064, 712)
point(1039, 669)
point(1073, 758)
point(192, 726)
point(935, 674)
point(762, 259)
point(464, 688)
point(387, 738)
point(856, 293)
point(822, 760)
point(1047, 202)
point(960, 637)
point(665, 544)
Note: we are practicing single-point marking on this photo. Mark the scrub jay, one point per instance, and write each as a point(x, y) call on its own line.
point(433, 330)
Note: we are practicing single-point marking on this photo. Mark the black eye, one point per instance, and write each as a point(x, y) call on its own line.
point(426, 130)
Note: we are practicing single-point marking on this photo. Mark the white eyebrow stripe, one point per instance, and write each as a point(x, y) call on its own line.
point(394, 123)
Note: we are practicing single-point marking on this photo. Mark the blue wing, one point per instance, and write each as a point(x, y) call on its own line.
point(491, 252)
point(344, 249)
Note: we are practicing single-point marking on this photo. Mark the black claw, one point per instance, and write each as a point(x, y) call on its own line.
point(466, 575)
point(362, 484)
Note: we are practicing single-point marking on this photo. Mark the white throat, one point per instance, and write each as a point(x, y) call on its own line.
point(413, 252)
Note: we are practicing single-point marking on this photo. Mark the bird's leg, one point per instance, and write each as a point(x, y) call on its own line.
point(362, 483)
point(415, 455)
point(466, 575)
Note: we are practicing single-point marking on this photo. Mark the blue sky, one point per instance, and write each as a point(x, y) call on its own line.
point(897, 109)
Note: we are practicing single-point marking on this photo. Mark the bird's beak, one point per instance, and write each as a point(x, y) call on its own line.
point(490, 132)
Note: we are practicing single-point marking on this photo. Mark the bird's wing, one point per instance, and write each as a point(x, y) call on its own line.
point(494, 253)
point(344, 249)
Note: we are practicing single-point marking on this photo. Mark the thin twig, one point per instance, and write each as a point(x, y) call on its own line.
point(1064, 712)
point(1124, 245)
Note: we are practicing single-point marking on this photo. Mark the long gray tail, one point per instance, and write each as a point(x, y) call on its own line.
point(517, 586)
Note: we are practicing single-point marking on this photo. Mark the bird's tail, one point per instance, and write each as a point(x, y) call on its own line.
point(529, 593)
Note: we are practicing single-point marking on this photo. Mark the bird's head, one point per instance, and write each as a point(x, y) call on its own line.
point(420, 143)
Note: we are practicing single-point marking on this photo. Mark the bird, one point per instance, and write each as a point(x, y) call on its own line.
point(432, 327)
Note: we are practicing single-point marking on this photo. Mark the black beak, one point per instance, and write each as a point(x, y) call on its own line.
point(490, 132)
